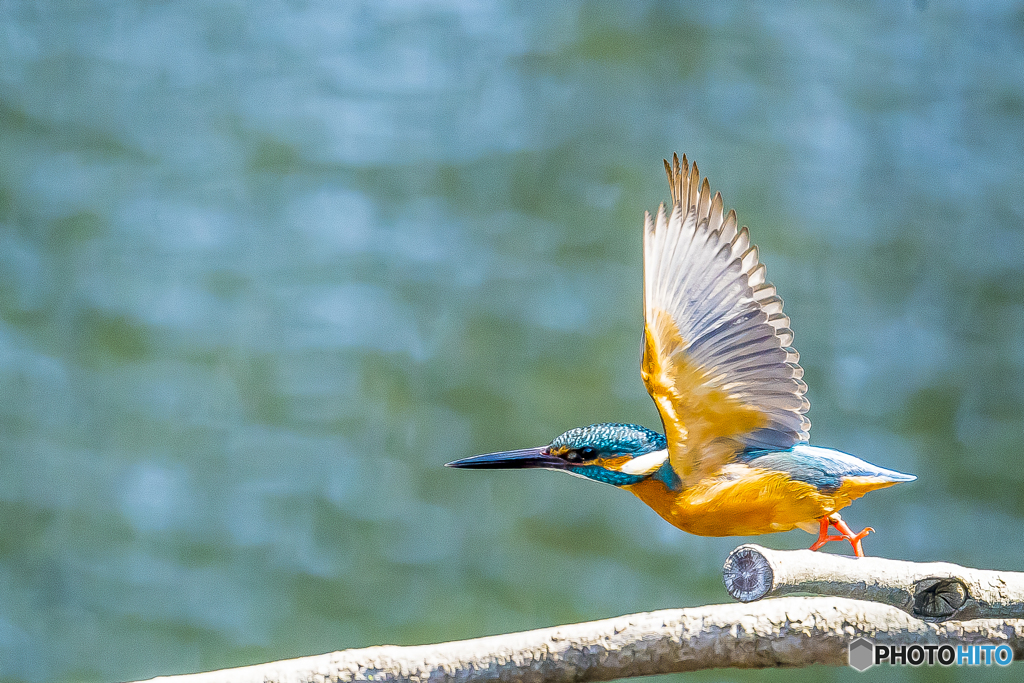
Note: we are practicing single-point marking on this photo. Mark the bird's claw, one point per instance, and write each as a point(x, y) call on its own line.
point(846, 534)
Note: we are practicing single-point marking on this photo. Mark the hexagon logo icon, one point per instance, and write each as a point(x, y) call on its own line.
point(862, 654)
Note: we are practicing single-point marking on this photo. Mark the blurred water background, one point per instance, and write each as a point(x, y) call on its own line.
point(265, 266)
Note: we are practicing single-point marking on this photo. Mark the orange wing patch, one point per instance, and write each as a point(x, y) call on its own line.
point(700, 419)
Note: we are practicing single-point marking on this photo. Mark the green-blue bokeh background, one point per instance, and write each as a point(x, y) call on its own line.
point(265, 266)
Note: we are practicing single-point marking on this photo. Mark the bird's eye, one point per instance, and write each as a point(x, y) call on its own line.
point(578, 455)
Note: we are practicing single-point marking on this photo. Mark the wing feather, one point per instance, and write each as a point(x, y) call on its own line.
point(716, 356)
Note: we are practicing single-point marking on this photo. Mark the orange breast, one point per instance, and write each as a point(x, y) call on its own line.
point(745, 501)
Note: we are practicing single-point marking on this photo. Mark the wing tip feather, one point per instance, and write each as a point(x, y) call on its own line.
point(694, 246)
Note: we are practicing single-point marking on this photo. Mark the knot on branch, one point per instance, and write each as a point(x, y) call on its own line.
point(939, 598)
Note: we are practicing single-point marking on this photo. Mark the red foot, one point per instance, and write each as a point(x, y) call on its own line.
point(846, 534)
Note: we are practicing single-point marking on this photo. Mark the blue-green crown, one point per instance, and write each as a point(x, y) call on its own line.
point(612, 438)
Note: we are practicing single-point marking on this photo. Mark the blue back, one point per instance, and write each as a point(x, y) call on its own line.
point(823, 468)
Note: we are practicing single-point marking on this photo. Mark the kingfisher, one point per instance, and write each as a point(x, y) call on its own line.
point(717, 359)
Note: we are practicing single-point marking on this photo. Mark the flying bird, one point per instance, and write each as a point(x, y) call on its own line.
point(734, 459)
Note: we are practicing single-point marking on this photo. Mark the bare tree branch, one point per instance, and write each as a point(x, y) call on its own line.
point(936, 591)
point(771, 633)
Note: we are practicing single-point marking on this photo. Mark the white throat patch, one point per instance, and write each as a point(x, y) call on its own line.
point(645, 464)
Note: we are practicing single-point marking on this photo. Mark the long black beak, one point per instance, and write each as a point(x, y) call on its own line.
point(524, 458)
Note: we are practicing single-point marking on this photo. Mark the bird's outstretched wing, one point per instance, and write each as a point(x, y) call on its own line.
point(716, 356)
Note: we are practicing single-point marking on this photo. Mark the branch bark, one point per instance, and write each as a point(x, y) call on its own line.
point(934, 591)
point(772, 633)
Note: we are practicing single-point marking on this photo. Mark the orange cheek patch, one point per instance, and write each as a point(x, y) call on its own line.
point(612, 463)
